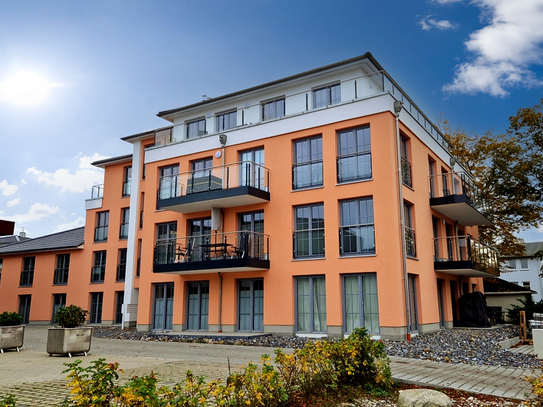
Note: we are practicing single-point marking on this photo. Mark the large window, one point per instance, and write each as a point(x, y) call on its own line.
point(24, 307)
point(354, 158)
point(125, 215)
point(198, 306)
point(127, 181)
point(27, 274)
point(166, 242)
point(121, 267)
point(309, 230)
point(102, 224)
point(59, 301)
point(273, 109)
point(252, 244)
point(226, 121)
point(310, 304)
point(251, 305)
point(307, 166)
point(169, 182)
point(95, 315)
point(410, 245)
point(119, 300)
point(196, 128)
point(163, 306)
point(252, 168)
point(61, 271)
point(200, 232)
point(357, 233)
point(361, 305)
point(99, 268)
point(327, 95)
point(406, 164)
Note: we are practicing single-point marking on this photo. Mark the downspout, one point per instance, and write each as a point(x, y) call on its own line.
point(220, 302)
point(397, 110)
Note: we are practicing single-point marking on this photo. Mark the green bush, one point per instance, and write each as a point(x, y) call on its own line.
point(10, 318)
point(71, 316)
point(527, 304)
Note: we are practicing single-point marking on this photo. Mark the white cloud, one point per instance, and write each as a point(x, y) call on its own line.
point(445, 1)
point(83, 179)
point(36, 211)
point(504, 49)
point(80, 221)
point(427, 23)
point(7, 189)
point(13, 202)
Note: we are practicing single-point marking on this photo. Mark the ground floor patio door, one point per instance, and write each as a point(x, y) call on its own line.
point(251, 305)
point(163, 307)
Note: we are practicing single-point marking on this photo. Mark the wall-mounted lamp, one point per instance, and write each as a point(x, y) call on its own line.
point(222, 139)
point(452, 161)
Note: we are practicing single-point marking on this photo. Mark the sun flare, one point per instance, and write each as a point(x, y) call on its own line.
point(24, 88)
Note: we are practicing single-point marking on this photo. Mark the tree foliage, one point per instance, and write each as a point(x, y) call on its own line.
point(508, 170)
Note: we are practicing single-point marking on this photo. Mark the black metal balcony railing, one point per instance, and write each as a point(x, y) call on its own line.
point(407, 178)
point(307, 174)
point(98, 274)
point(229, 176)
point(61, 276)
point(410, 244)
point(217, 249)
point(100, 233)
point(465, 252)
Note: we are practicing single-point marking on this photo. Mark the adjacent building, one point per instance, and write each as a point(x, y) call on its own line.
point(525, 270)
point(309, 205)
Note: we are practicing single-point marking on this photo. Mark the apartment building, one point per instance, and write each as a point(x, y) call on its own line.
point(309, 205)
point(525, 270)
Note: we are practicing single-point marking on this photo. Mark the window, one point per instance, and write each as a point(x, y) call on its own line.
point(309, 231)
point(310, 304)
point(196, 128)
point(413, 313)
point(226, 121)
point(95, 315)
point(512, 264)
point(252, 168)
point(354, 158)
point(163, 306)
point(405, 163)
point(168, 185)
point(119, 300)
point(201, 168)
point(200, 232)
point(307, 167)
point(99, 269)
point(361, 305)
point(202, 178)
point(526, 284)
point(125, 215)
point(273, 109)
point(141, 208)
point(327, 95)
point(27, 274)
point(59, 301)
point(24, 307)
point(166, 242)
point(524, 264)
point(410, 245)
point(127, 181)
point(61, 272)
point(251, 305)
point(198, 306)
point(138, 264)
point(102, 223)
point(357, 233)
point(252, 243)
point(431, 172)
point(121, 267)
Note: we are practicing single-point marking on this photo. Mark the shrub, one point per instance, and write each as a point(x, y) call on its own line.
point(10, 318)
point(71, 316)
point(536, 398)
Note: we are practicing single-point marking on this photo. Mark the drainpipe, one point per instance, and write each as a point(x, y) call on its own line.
point(397, 110)
point(220, 302)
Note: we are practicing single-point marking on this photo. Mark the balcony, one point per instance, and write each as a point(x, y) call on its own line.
point(455, 196)
point(465, 256)
point(224, 252)
point(225, 186)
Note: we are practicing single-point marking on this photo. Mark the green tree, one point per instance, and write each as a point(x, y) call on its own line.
point(508, 170)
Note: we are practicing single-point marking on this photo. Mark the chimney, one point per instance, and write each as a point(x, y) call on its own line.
point(22, 233)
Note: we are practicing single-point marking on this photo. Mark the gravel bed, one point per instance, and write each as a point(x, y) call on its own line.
point(470, 346)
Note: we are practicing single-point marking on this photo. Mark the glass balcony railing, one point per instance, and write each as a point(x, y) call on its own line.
point(452, 250)
point(97, 191)
point(229, 176)
point(212, 247)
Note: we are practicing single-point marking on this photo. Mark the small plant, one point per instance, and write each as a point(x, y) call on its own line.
point(71, 316)
point(8, 401)
point(10, 318)
point(536, 398)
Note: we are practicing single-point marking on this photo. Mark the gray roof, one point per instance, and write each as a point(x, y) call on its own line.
point(532, 248)
point(5, 240)
point(69, 239)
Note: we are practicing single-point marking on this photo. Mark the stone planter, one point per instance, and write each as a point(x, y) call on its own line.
point(11, 337)
point(69, 340)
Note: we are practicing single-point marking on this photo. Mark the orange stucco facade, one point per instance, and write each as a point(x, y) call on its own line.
point(344, 275)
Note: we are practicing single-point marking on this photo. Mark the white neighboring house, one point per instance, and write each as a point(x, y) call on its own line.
point(525, 270)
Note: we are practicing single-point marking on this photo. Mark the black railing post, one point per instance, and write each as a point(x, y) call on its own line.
point(227, 177)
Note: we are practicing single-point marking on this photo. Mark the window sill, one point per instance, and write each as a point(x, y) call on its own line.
point(307, 188)
point(309, 258)
point(355, 255)
point(412, 257)
point(354, 181)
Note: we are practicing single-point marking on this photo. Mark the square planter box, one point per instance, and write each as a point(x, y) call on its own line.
point(69, 340)
point(11, 337)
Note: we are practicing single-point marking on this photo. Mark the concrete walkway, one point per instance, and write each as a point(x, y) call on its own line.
point(36, 379)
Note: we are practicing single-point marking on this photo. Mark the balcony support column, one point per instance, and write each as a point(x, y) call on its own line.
point(220, 303)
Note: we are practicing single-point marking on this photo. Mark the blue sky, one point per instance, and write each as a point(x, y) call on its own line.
point(95, 71)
